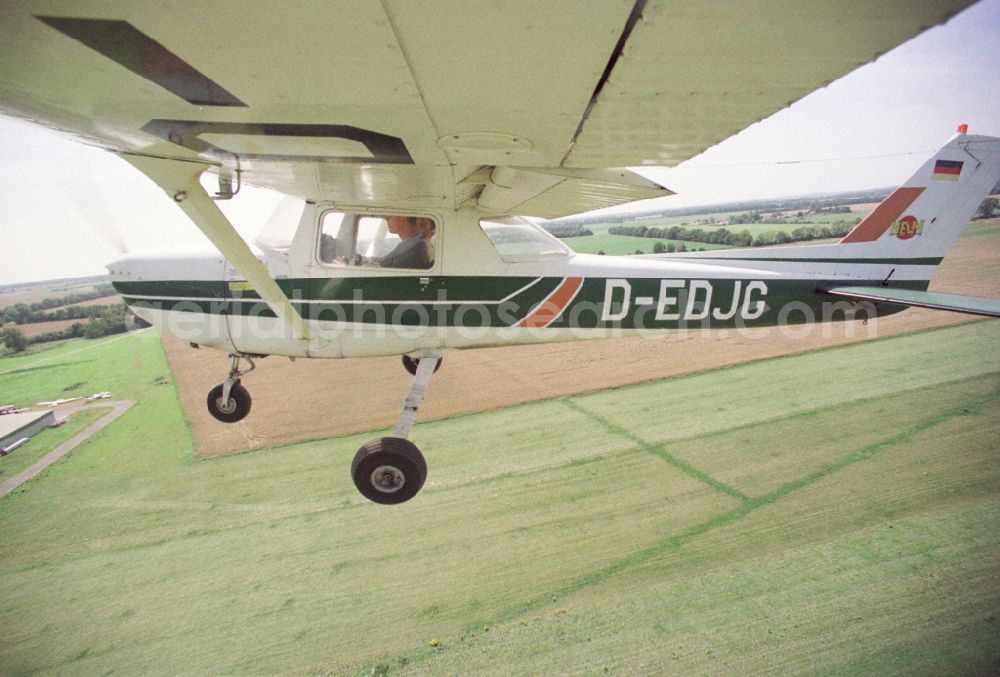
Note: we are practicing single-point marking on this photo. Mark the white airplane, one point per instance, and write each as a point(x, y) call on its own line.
point(411, 132)
point(55, 403)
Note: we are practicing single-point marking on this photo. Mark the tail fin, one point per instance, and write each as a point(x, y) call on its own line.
point(915, 227)
point(920, 221)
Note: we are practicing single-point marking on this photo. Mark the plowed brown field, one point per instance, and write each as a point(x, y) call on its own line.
point(310, 399)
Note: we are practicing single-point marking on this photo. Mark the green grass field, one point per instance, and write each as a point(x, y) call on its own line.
point(617, 245)
point(828, 513)
point(986, 228)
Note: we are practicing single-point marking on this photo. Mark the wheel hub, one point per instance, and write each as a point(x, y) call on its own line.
point(387, 479)
point(226, 406)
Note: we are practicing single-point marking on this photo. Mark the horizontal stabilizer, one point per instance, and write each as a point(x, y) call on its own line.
point(974, 305)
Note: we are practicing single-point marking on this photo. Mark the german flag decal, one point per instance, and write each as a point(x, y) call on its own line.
point(947, 170)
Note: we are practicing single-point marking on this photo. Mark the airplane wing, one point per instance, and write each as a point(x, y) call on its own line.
point(513, 105)
point(974, 305)
point(509, 105)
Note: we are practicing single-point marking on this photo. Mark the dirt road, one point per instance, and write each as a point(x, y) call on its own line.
point(117, 409)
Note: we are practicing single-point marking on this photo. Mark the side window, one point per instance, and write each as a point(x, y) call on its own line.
point(518, 239)
point(336, 240)
point(391, 241)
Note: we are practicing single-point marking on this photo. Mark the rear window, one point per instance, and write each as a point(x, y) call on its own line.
point(518, 239)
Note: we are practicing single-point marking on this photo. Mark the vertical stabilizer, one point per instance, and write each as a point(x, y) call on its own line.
point(922, 218)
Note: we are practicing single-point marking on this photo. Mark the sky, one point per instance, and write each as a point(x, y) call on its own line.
point(68, 209)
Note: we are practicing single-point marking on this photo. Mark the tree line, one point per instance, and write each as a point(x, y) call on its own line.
point(562, 230)
point(988, 209)
point(22, 313)
point(112, 319)
point(68, 313)
point(723, 236)
point(755, 216)
point(101, 320)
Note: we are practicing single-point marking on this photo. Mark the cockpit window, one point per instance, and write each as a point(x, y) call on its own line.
point(389, 241)
point(518, 239)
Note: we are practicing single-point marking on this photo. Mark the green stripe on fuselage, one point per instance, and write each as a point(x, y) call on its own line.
point(927, 261)
point(477, 302)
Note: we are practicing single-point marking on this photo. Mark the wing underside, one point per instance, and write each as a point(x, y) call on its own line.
point(974, 305)
point(511, 104)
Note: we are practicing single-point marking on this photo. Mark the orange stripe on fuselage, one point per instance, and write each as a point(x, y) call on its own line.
point(549, 309)
point(883, 216)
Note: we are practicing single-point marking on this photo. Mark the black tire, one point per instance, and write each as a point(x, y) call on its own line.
point(389, 470)
point(236, 409)
point(410, 364)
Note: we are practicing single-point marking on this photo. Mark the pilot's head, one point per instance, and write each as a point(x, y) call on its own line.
point(403, 226)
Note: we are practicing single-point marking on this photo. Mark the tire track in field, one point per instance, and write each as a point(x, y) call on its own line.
point(658, 451)
point(747, 505)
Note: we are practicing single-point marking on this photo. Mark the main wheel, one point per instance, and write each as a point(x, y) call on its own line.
point(234, 409)
point(410, 364)
point(389, 470)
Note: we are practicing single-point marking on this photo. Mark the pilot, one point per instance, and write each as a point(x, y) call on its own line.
point(427, 232)
point(413, 250)
point(327, 248)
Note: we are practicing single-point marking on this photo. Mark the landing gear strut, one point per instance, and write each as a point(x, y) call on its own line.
point(392, 470)
point(229, 401)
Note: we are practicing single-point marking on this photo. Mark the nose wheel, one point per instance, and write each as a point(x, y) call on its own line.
point(231, 408)
point(391, 470)
point(229, 401)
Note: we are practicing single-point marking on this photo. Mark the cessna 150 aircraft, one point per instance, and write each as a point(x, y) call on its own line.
point(410, 132)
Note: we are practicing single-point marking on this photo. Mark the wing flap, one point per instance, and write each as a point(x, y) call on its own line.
point(974, 305)
point(549, 193)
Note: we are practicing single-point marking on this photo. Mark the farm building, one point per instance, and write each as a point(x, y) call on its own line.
point(14, 427)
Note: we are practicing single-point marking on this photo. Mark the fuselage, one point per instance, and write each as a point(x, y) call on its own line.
point(478, 293)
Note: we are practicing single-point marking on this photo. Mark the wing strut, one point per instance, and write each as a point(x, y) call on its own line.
point(179, 179)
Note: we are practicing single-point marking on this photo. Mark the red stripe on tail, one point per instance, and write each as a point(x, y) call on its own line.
point(884, 215)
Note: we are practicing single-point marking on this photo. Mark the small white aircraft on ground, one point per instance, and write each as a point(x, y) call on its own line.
point(410, 133)
point(55, 403)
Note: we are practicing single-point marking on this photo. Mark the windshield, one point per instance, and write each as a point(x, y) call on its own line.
point(279, 229)
point(518, 239)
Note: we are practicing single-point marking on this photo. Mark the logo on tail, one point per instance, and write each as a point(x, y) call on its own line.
point(908, 227)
